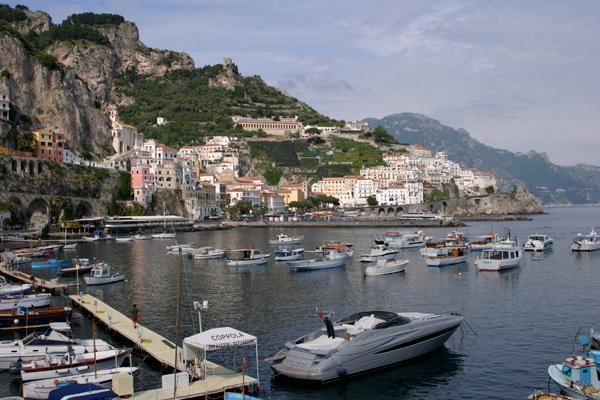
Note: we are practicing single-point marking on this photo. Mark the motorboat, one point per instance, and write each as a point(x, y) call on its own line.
point(70, 246)
point(163, 235)
point(282, 239)
point(380, 250)
point(238, 396)
point(50, 263)
point(289, 255)
point(42, 388)
point(85, 391)
point(538, 242)
point(247, 257)
point(206, 253)
point(70, 364)
point(139, 236)
point(335, 257)
point(123, 239)
point(504, 255)
point(406, 240)
point(27, 301)
point(102, 274)
point(456, 238)
point(81, 266)
point(35, 346)
point(180, 248)
point(385, 267)
point(439, 256)
point(362, 342)
point(577, 377)
point(485, 241)
point(348, 248)
point(9, 289)
point(22, 318)
point(589, 242)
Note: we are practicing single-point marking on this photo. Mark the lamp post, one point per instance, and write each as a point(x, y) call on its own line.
point(199, 306)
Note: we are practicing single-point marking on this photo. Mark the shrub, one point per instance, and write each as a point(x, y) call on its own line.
point(9, 14)
point(90, 18)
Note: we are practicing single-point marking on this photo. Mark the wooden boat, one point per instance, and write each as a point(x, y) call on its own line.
point(439, 256)
point(384, 267)
point(82, 265)
point(27, 301)
point(8, 289)
point(50, 263)
point(101, 274)
point(25, 318)
point(248, 257)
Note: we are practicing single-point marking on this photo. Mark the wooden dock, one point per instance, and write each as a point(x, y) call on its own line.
point(13, 273)
point(163, 350)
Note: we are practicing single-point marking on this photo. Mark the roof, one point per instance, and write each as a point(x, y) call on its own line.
point(218, 338)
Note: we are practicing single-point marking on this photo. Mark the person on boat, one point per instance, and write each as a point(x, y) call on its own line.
point(134, 315)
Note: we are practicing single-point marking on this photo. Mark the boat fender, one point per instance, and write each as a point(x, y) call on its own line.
point(341, 371)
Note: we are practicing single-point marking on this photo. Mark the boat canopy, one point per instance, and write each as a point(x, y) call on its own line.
point(218, 338)
point(82, 392)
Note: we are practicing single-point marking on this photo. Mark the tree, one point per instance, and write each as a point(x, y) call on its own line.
point(26, 141)
point(273, 175)
point(313, 131)
point(372, 201)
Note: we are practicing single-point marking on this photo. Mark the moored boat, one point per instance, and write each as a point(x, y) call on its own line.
point(124, 239)
point(22, 318)
point(27, 301)
point(101, 274)
point(335, 257)
point(9, 289)
point(406, 240)
point(439, 256)
point(50, 263)
point(589, 242)
point(485, 241)
point(282, 239)
point(81, 266)
point(380, 250)
point(577, 376)
point(247, 257)
point(289, 255)
point(206, 253)
point(504, 255)
point(385, 267)
point(538, 242)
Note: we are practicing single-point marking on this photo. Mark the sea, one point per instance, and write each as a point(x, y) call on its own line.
point(518, 322)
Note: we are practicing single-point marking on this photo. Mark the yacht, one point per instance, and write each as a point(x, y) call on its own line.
point(504, 255)
point(248, 257)
point(406, 240)
point(538, 243)
point(362, 342)
point(589, 242)
point(380, 250)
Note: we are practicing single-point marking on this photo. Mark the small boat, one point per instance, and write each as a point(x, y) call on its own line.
point(163, 235)
point(50, 263)
point(577, 377)
point(537, 395)
point(72, 364)
point(141, 237)
point(485, 241)
point(362, 342)
point(439, 256)
point(538, 243)
point(248, 257)
point(505, 255)
point(380, 250)
point(22, 318)
point(348, 248)
point(101, 274)
point(238, 396)
point(27, 301)
point(124, 239)
point(406, 240)
point(70, 246)
point(289, 255)
point(282, 238)
point(205, 253)
point(456, 238)
point(8, 289)
point(180, 248)
point(336, 257)
point(589, 242)
point(82, 266)
point(42, 388)
point(384, 267)
point(88, 391)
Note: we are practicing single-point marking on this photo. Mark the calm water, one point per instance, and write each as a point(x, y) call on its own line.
point(525, 318)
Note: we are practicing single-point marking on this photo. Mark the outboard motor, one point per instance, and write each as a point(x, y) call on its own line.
point(15, 368)
point(329, 327)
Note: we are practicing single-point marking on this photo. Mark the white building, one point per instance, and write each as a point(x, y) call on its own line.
point(363, 188)
point(124, 137)
point(224, 141)
point(341, 188)
point(271, 126)
point(274, 204)
point(201, 201)
point(400, 193)
point(239, 194)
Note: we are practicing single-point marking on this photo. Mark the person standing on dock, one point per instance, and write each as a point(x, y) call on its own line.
point(134, 315)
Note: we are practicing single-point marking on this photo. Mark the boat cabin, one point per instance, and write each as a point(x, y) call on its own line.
point(581, 370)
point(500, 254)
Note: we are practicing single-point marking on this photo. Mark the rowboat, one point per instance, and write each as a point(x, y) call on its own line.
point(384, 267)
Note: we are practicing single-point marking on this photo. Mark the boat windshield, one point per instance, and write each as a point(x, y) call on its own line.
point(384, 315)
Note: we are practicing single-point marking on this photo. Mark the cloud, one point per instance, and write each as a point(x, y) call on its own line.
point(300, 83)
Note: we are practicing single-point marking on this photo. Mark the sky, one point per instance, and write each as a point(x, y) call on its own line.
point(516, 75)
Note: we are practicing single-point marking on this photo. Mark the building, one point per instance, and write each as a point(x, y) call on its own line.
point(161, 121)
point(342, 188)
point(238, 194)
point(400, 193)
point(271, 126)
point(50, 145)
point(72, 158)
point(4, 101)
point(274, 203)
point(167, 176)
point(164, 154)
point(224, 141)
point(142, 183)
point(124, 137)
point(201, 201)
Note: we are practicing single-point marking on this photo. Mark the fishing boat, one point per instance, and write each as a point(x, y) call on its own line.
point(456, 238)
point(180, 248)
point(27, 301)
point(248, 257)
point(439, 256)
point(348, 248)
point(505, 255)
point(81, 266)
point(538, 242)
point(289, 255)
point(385, 267)
point(72, 364)
point(485, 241)
point(282, 239)
point(406, 240)
point(334, 257)
point(101, 274)
point(9, 289)
point(41, 389)
point(50, 263)
point(577, 376)
point(589, 242)
point(380, 250)
point(537, 395)
point(207, 252)
point(22, 317)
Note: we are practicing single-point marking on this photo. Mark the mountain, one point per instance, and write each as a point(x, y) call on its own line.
point(549, 182)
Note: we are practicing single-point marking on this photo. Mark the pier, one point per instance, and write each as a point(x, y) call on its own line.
point(218, 380)
point(50, 286)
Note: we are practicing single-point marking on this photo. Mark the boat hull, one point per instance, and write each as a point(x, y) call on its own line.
point(554, 371)
point(12, 290)
point(28, 301)
point(375, 270)
point(585, 246)
point(103, 280)
point(33, 319)
point(496, 265)
point(443, 261)
point(312, 265)
point(378, 257)
point(52, 263)
point(244, 263)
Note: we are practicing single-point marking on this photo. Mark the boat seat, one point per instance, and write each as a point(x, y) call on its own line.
point(363, 324)
point(322, 344)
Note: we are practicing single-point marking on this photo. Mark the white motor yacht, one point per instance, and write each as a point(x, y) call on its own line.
point(504, 255)
point(406, 240)
point(589, 242)
point(380, 250)
point(538, 242)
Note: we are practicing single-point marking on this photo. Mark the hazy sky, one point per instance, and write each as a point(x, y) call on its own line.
point(517, 75)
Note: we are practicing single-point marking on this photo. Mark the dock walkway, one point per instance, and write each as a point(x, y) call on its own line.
point(163, 350)
point(51, 286)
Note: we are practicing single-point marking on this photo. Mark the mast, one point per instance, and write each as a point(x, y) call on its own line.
point(177, 305)
point(94, 341)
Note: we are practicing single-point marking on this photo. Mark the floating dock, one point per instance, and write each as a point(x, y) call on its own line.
point(51, 286)
point(219, 379)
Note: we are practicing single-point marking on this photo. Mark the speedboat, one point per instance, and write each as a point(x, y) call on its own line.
point(27, 301)
point(205, 253)
point(538, 243)
point(406, 240)
point(380, 250)
point(248, 257)
point(362, 342)
point(282, 238)
point(485, 241)
point(22, 318)
point(505, 255)
point(336, 257)
point(577, 376)
point(289, 255)
point(589, 242)
point(8, 289)
point(384, 267)
point(102, 274)
point(438, 256)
